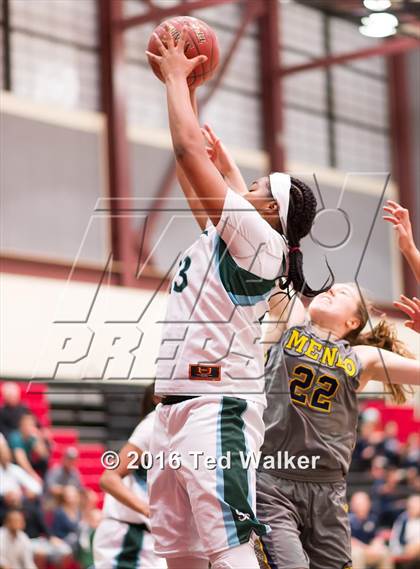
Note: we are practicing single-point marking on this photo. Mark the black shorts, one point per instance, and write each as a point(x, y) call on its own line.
point(309, 523)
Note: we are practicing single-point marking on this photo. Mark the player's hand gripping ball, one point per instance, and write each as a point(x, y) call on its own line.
point(201, 40)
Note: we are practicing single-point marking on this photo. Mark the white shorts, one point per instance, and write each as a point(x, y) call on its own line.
point(119, 545)
point(199, 510)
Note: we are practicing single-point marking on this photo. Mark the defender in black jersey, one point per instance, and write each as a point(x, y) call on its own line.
point(313, 375)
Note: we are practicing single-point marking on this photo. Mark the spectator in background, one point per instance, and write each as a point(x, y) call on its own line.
point(63, 474)
point(364, 450)
point(12, 409)
point(13, 477)
point(390, 445)
point(373, 442)
point(45, 547)
point(368, 549)
point(411, 452)
point(412, 479)
point(410, 461)
point(387, 496)
point(66, 517)
point(378, 470)
point(29, 447)
point(405, 536)
point(15, 551)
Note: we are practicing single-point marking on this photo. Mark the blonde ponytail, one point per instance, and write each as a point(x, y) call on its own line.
point(384, 336)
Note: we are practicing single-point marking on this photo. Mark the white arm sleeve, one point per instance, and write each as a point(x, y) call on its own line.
point(143, 433)
point(250, 239)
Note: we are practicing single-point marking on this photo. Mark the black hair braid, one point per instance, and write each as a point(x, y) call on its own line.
point(300, 217)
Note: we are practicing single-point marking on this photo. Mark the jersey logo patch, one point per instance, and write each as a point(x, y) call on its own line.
point(207, 373)
point(241, 516)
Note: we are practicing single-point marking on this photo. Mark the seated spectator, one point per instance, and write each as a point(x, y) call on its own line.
point(411, 452)
point(66, 518)
point(30, 450)
point(12, 409)
point(13, 477)
point(412, 479)
point(405, 536)
point(48, 550)
point(15, 551)
point(364, 451)
point(51, 552)
point(45, 547)
point(390, 445)
point(368, 549)
point(388, 496)
point(372, 442)
point(63, 474)
point(378, 470)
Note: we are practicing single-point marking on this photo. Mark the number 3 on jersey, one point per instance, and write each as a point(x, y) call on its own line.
point(182, 281)
point(321, 397)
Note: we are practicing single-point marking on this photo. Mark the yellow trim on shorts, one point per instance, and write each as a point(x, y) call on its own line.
point(264, 556)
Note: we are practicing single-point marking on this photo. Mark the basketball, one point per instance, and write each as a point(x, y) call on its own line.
point(201, 40)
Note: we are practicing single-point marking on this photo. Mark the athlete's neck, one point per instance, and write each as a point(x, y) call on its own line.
point(324, 333)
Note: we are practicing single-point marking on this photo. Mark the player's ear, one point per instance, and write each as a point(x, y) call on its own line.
point(353, 323)
point(273, 205)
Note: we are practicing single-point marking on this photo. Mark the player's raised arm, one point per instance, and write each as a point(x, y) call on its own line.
point(284, 312)
point(194, 201)
point(388, 367)
point(187, 139)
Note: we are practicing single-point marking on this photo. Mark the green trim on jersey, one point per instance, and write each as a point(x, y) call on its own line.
point(235, 479)
point(133, 542)
point(140, 473)
point(244, 288)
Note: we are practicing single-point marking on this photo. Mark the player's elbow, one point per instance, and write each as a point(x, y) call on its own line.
point(180, 151)
point(106, 480)
point(185, 151)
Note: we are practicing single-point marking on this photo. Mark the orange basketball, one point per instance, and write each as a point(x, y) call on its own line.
point(201, 40)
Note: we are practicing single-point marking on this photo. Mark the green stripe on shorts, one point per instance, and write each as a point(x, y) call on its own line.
point(131, 547)
point(235, 479)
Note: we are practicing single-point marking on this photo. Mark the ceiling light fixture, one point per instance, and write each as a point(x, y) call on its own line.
point(377, 5)
point(379, 25)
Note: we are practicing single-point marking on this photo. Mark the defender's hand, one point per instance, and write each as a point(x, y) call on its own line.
point(217, 151)
point(412, 308)
point(400, 219)
point(172, 59)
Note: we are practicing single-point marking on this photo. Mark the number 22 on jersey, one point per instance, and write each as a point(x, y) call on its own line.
point(326, 386)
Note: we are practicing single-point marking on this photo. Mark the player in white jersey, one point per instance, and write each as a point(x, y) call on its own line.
point(210, 365)
point(123, 539)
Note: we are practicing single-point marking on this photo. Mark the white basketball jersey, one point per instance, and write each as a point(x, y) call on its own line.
point(136, 480)
point(212, 329)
